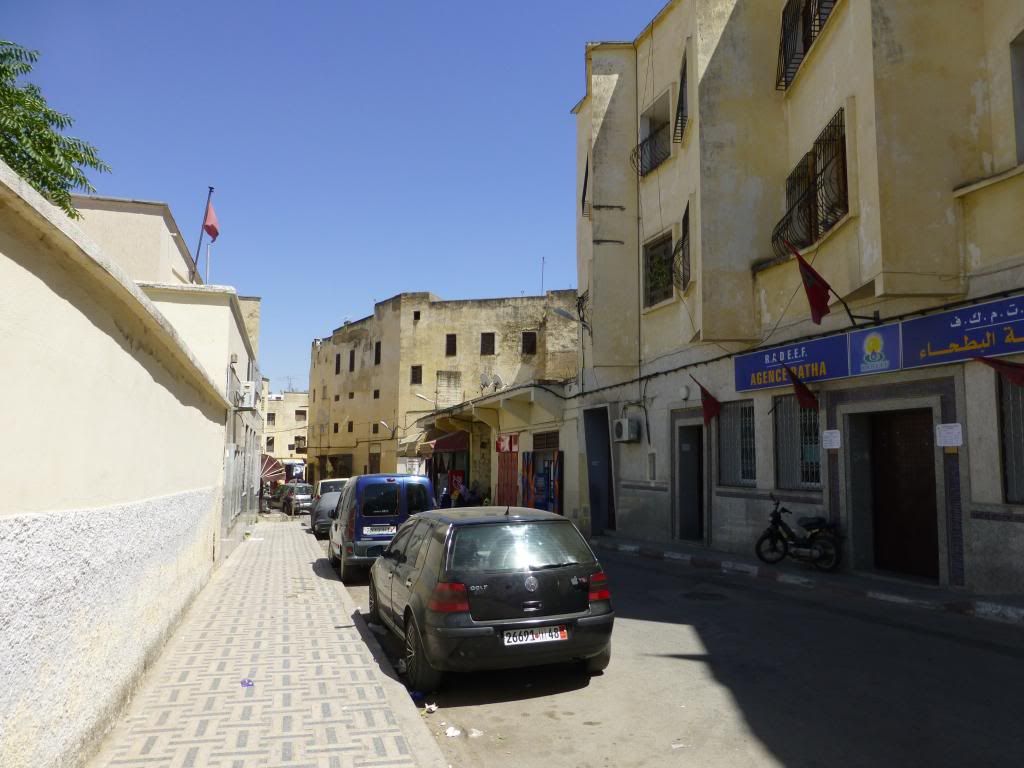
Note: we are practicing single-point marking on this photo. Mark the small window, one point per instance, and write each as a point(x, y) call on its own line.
point(529, 342)
point(351, 359)
point(271, 419)
point(337, 363)
point(314, 395)
point(486, 343)
point(652, 466)
point(375, 428)
point(545, 441)
point(376, 353)
point(797, 445)
point(1011, 406)
point(415, 315)
point(658, 271)
point(270, 444)
point(291, 446)
point(324, 392)
point(450, 345)
point(300, 416)
point(337, 398)
point(416, 374)
point(350, 425)
point(737, 463)
point(335, 427)
point(351, 395)
point(376, 394)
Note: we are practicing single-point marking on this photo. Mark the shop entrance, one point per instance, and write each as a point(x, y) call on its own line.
point(690, 482)
point(599, 470)
point(903, 525)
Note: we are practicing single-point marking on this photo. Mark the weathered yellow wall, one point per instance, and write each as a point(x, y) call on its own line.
point(287, 427)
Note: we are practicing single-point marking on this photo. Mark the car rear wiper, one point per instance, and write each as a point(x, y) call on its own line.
point(549, 566)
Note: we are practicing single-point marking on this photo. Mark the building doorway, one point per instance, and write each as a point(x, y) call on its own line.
point(690, 483)
point(599, 471)
point(904, 522)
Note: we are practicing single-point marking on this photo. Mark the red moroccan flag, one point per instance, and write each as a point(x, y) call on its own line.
point(708, 403)
point(210, 224)
point(1012, 372)
point(804, 396)
point(815, 286)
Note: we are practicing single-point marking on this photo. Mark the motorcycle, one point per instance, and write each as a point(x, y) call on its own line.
point(819, 546)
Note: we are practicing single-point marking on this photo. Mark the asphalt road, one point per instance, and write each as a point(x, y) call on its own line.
point(712, 670)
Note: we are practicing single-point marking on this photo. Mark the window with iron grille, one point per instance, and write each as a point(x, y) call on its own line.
point(545, 441)
point(450, 345)
point(655, 145)
point(681, 254)
point(337, 363)
point(529, 342)
point(270, 444)
point(1011, 406)
point(802, 21)
point(376, 428)
point(797, 445)
point(737, 463)
point(681, 106)
point(351, 359)
point(376, 353)
point(271, 419)
point(416, 374)
point(486, 343)
point(816, 191)
point(658, 271)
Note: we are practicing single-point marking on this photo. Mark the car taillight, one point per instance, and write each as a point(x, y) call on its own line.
point(449, 597)
point(599, 587)
point(350, 527)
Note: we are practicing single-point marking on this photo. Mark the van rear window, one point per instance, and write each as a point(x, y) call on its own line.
point(417, 499)
point(518, 546)
point(380, 499)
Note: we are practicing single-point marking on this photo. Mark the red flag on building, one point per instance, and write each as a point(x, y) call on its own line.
point(708, 403)
point(1012, 372)
point(814, 285)
point(804, 396)
point(210, 225)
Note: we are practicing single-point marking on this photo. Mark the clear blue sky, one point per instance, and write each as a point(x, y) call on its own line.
point(358, 149)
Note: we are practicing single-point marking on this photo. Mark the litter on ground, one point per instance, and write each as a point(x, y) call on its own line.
point(451, 732)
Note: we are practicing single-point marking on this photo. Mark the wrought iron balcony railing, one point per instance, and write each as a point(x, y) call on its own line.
point(681, 257)
point(816, 191)
point(652, 151)
point(802, 21)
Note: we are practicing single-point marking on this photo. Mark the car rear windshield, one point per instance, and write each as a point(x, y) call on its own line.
point(332, 485)
point(303, 490)
point(328, 501)
point(518, 546)
point(380, 499)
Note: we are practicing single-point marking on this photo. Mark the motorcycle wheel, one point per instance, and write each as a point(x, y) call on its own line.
point(828, 552)
point(771, 548)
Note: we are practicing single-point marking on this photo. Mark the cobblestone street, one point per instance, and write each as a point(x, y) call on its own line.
point(274, 614)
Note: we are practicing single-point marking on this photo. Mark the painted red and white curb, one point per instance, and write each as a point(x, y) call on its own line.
point(967, 606)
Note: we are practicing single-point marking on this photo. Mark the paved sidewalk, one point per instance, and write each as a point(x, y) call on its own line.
point(274, 613)
point(1002, 608)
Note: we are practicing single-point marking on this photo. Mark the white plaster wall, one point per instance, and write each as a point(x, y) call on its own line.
point(80, 614)
point(203, 320)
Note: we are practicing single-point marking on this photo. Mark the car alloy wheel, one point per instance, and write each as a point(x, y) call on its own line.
point(421, 676)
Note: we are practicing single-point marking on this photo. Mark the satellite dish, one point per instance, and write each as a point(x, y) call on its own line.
point(497, 382)
point(485, 380)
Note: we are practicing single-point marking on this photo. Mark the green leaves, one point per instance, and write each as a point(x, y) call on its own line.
point(31, 138)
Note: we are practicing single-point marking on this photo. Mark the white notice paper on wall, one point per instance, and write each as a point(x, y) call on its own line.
point(831, 439)
point(949, 435)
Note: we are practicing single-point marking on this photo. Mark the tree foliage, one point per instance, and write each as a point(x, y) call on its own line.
point(31, 135)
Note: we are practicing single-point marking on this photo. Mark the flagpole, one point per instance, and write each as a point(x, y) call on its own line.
point(876, 317)
point(202, 230)
point(208, 263)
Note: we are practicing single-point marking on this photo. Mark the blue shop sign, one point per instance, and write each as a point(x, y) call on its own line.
point(990, 329)
point(875, 350)
point(815, 360)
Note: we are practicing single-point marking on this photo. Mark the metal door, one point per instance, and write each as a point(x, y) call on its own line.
point(599, 470)
point(690, 482)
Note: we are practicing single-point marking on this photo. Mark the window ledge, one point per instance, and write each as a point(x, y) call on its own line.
point(663, 303)
point(976, 186)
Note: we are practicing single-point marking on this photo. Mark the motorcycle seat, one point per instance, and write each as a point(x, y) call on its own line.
point(812, 522)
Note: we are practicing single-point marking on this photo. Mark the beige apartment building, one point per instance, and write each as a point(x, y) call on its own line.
point(371, 379)
point(885, 142)
point(285, 424)
point(148, 459)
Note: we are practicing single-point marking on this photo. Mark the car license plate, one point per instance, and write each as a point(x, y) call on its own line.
point(379, 530)
point(537, 635)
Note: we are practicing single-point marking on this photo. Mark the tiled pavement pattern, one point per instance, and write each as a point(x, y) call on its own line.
point(275, 614)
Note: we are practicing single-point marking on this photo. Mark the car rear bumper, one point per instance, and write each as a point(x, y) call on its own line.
point(464, 649)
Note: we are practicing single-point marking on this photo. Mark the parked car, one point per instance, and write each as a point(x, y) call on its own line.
point(320, 515)
point(298, 499)
point(368, 514)
point(278, 496)
point(491, 588)
point(324, 486)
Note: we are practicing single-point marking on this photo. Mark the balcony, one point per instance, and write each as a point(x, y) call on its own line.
point(802, 21)
point(816, 191)
point(653, 150)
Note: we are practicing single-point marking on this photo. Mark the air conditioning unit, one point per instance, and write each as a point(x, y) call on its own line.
point(247, 396)
point(626, 430)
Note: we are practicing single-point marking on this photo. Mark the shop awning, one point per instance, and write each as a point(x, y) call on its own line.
point(271, 469)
